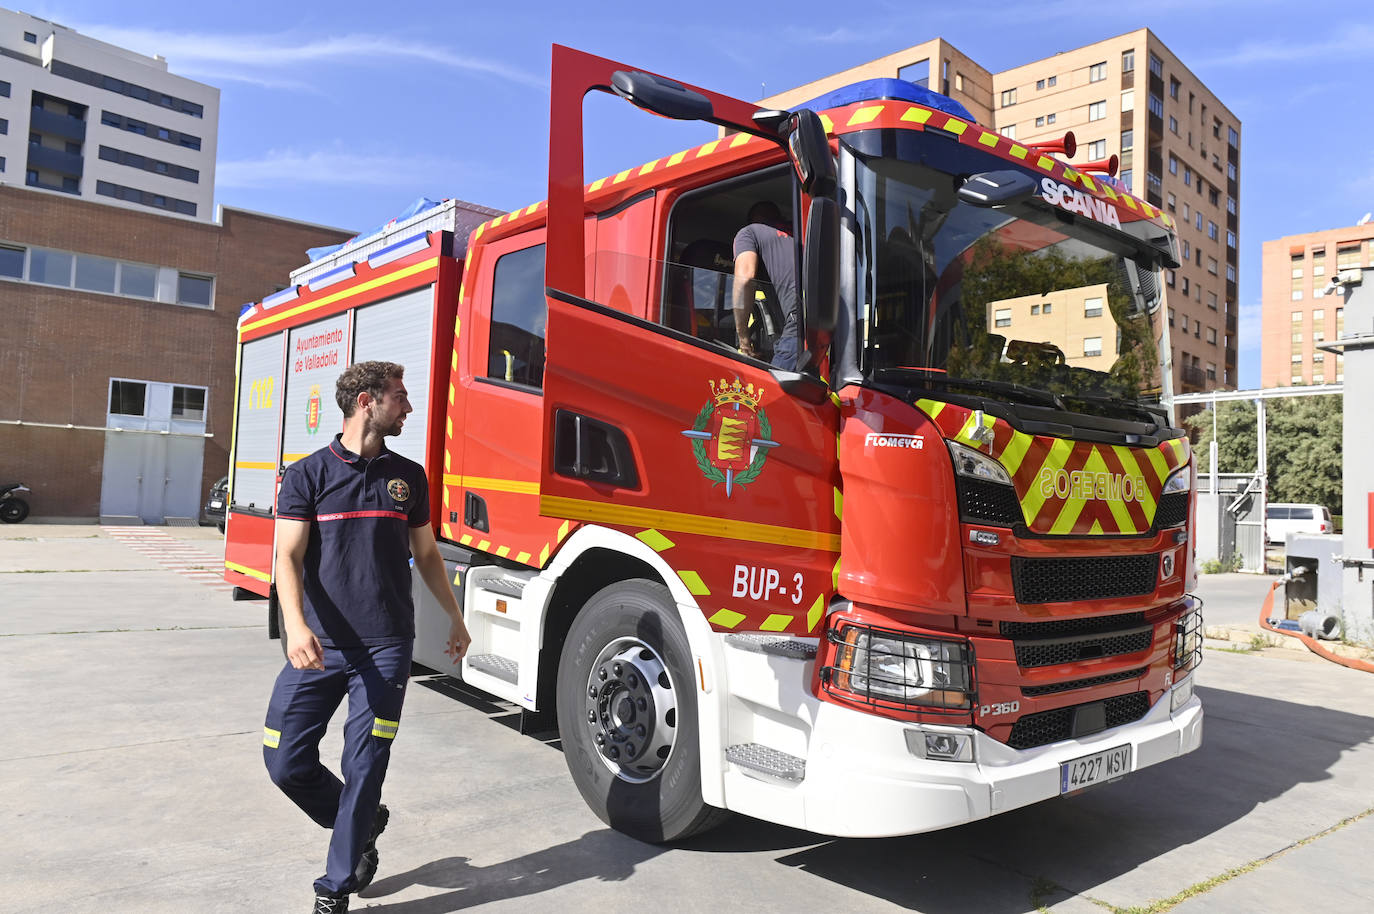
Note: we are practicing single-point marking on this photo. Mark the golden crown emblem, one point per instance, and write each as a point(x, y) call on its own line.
point(727, 392)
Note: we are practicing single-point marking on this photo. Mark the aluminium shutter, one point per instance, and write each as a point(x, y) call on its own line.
point(255, 439)
point(401, 330)
point(315, 357)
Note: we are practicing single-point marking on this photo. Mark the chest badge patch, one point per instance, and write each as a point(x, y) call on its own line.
point(398, 490)
point(732, 435)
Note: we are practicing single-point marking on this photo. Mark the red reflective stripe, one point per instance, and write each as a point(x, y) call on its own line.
point(345, 515)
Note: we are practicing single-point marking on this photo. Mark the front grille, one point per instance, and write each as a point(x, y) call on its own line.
point(988, 502)
point(1052, 726)
point(1030, 654)
point(1172, 511)
point(1063, 628)
point(1055, 688)
point(1095, 578)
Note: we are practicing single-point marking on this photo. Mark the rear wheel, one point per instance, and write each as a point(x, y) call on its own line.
point(13, 510)
point(627, 714)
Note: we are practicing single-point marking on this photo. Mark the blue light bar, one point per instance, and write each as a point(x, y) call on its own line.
point(871, 90)
point(285, 295)
point(402, 248)
point(338, 274)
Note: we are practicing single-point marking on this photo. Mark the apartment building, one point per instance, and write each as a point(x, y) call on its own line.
point(1177, 146)
point(1295, 316)
point(91, 120)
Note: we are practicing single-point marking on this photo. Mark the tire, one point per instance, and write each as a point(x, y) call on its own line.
point(13, 510)
point(627, 715)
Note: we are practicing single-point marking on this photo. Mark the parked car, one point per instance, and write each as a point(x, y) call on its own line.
point(1283, 519)
point(213, 512)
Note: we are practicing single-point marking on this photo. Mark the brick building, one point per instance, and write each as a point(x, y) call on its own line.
point(1295, 317)
point(118, 361)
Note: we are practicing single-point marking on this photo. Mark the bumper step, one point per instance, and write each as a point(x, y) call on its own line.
point(772, 644)
point(502, 668)
point(757, 757)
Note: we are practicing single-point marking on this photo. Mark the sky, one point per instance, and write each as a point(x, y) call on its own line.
point(342, 113)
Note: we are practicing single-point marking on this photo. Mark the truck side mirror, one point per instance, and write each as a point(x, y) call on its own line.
point(821, 266)
point(992, 189)
point(809, 151)
point(661, 96)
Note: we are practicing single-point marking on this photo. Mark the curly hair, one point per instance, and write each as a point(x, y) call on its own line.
point(364, 376)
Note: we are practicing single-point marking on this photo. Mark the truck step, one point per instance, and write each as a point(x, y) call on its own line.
point(779, 645)
point(509, 584)
point(757, 757)
point(502, 668)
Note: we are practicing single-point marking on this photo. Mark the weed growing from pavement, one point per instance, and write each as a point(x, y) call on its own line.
point(1040, 890)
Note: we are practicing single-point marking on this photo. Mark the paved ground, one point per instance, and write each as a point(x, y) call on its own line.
point(133, 695)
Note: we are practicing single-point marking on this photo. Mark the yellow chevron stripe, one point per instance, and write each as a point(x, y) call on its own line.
point(814, 614)
point(775, 623)
point(1158, 463)
point(695, 585)
point(1019, 152)
point(677, 522)
point(865, 115)
point(727, 618)
point(1096, 464)
point(1131, 465)
point(1015, 451)
point(931, 408)
point(1045, 163)
point(654, 540)
point(1033, 500)
point(987, 139)
point(919, 115)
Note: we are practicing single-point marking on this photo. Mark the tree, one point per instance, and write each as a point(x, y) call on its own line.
point(1303, 446)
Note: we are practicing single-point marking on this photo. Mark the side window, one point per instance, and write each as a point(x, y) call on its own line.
point(698, 279)
point(518, 312)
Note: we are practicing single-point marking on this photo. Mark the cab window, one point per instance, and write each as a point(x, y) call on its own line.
point(518, 313)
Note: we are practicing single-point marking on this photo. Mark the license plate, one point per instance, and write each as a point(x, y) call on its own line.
point(217, 504)
point(1094, 769)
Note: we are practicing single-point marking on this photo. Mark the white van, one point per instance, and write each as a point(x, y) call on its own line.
point(1283, 519)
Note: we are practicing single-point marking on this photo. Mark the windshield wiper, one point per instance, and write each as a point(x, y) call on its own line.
point(1020, 393)
point(1158, 414)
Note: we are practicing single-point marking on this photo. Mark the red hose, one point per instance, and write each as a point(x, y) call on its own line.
point(1267, 609)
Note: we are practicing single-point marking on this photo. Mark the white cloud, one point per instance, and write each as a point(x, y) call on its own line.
point(254, 57)
point(1349, 41)
point(327, 167)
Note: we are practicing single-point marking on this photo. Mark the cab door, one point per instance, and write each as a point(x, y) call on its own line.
point(693, 449)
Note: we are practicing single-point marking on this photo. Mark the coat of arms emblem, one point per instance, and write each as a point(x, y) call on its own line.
point(732, 435)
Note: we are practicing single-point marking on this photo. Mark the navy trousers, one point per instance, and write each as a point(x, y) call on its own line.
point(303, 701)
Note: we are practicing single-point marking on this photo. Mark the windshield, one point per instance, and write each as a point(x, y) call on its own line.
point(1016, 303)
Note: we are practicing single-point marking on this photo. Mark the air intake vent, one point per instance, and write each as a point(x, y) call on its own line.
point(1096, 578)
point(1172, 511)
point(986, 502)
point(1052, 726)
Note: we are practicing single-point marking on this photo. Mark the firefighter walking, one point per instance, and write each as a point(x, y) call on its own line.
point(349, 518)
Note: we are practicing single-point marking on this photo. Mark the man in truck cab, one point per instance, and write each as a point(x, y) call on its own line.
point(764, 252)
point(349, 518)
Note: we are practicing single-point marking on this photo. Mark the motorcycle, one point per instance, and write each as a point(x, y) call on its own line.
point(13, 509)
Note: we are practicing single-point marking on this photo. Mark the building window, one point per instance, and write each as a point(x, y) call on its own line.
point(1097, 149)
point(1009, 131)
point(918, 73)
point(1232, 138)
point(1127, 140)
point(1197, 222)
point(1212, 265)
point(1092, 346)
point(1212, 335)
point(1231, 170)
point(95, 274)
point(188, 403)
point(1173, 164)
point(1296, 317)
point(1318, 314)
point(133, 160)
point(1318, 262)
point(1052, 81)
point(1171, 276)
point(1048, 307)
point(1173, 127)
point(1049, 118)
point(1039, 84)
point(1001, 317)
point(1008, 97)
point(1230, 239)
point(127, 398)
point(1187, 176)
point(137, 280)
point(146, 198)
point(1097, 72)
point(1097, 111)
point(1347, 256)
point(1156, 105)
point(1211, 370)
point(31, 38)
point(1173, 202)
point(195, 290)
point(1092, 307)
point(1128, 100)
point(1187, 252)
point(1035, 309)
point(53, 268)
point(958, 82)
point(1156, 66)
point(132, 90)
point(4, 89)
point(1230, 273)
point(1185, 287)
point(12, 261)
point(1171, 315)
point(1040, 121)
point(1173, 88)
point(1128, 61)
point(516, 352)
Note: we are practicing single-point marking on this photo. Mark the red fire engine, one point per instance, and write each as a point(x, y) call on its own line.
point(938, 573)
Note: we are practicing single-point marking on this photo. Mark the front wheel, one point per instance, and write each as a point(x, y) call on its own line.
point(627, 715)
point(13, 510)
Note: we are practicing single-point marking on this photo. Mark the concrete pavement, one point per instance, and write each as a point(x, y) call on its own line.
point(133, 781)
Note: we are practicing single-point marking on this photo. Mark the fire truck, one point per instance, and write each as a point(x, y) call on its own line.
point(936, 571)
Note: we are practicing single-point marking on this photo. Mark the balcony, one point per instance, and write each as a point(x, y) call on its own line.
point(1193, 378)
point(64, 163)
point(68, 128)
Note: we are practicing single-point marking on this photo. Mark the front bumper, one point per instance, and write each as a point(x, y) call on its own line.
point(862, 781)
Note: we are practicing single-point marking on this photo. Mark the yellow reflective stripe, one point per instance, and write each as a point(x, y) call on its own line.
point(1015, 451)
point(1095, 464)
point(678, 522)
point(518, 486)
point(813, 615)
point(254, 465)
point(274, 316)
point(919, 115)
point(865, 115)
point(931, 408)
point(775, 623)
point(1161, 466)
point(1035, 500)
point(1131, 466)
point(727, 618)
point(695, 585)
point(385, 728)
point(654, 540)
point(250, 572)
point(271, 738)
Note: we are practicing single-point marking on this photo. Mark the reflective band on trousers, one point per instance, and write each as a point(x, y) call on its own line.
point(384, 728)
point(270, 737)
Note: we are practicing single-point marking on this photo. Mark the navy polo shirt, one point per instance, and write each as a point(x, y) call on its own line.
point(357, 564)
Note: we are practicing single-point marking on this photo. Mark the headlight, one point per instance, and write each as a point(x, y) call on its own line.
point(968, 462)
point(887, 667)
point(1188, 641)
point(1181, 481)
